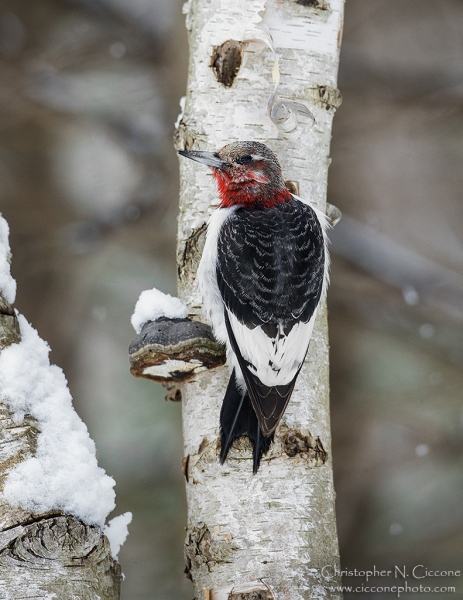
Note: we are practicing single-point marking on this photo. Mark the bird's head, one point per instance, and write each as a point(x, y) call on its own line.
point(247, 173)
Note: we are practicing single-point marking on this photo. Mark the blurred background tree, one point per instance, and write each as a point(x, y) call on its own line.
point(88, 100)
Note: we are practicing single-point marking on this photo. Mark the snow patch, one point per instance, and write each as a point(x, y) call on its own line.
point(64, 473)
point(154, 304)
point(7, 283)
point(182, 111)
point(117, 531)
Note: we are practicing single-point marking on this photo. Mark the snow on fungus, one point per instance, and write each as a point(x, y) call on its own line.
point(64, 473)
point(7, 283)
point(117, 531)
point(154, 304)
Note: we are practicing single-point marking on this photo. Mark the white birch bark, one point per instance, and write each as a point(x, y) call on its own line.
point(44, 555)
point(277, 526)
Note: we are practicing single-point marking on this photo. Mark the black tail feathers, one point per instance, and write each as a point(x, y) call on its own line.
point(238, 418)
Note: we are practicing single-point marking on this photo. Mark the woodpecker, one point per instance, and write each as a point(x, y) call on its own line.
point(262, 275)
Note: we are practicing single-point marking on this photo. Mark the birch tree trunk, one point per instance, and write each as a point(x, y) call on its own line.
point(271, 535)
point(44, 554)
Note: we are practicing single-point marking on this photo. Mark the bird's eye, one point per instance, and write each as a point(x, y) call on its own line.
point(244, 160)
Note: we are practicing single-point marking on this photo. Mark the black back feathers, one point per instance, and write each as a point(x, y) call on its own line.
point(270, 264)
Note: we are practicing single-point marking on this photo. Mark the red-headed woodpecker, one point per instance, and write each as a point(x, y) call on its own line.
point(263, 273)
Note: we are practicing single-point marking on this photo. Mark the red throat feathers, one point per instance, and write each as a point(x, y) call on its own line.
point(248, 188)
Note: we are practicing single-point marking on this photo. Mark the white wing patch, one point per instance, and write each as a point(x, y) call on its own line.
point(207, 275)
point(275, 361)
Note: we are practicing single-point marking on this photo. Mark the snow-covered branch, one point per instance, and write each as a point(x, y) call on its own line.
point(54, 498)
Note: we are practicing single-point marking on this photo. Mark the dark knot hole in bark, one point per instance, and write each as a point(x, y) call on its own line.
point(313, 4)
point(226, 61)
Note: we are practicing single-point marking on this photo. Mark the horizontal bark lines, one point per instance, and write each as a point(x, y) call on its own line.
point(277, 528)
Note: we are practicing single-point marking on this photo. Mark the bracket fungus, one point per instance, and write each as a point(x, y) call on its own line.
point(169, 350)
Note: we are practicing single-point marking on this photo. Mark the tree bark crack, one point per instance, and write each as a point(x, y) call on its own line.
point(203, 550)
point(295, 443)
point(328, 96)
point(192, 251)
point(318, 4)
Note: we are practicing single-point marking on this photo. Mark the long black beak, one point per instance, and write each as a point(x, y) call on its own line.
point(206, 158)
